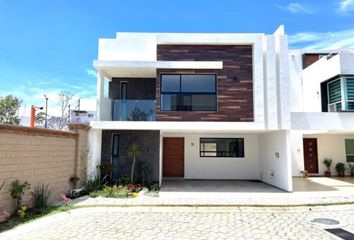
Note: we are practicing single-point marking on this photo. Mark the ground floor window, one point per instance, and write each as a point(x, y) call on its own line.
point(349, 150)
point(222, 147)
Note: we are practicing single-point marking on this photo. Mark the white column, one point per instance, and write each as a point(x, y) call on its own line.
point(94, 156)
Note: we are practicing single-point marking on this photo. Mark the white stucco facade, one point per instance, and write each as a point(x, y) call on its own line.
point(287, 105)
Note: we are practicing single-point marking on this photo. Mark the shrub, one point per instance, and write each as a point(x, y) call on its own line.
point(22, 211)
point(17, 189)
point(340, 168)
point(153, 187)
point(114, 192)
point(134, 187)
point(40, 196)
point(124, 180)
point(94, 184)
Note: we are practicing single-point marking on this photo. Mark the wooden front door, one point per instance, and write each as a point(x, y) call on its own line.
point(173, 157)
point(310, 155)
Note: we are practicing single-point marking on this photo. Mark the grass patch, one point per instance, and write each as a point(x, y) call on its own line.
point(16, 220)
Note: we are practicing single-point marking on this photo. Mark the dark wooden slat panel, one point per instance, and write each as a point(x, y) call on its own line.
point(235, 81)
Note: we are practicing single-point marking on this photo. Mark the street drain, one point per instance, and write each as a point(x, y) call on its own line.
point(325, 221)
point(341, 233)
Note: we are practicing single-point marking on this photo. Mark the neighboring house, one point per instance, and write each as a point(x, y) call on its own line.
point(200, 106)
point(322, 105)
point(80, 116)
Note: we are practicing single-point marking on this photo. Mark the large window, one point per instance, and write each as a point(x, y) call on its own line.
point(349, 150)
point(222, 147)
point(188, 92)
point(341, 94)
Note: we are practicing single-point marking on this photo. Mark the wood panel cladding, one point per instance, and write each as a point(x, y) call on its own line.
point(308, 59)
point(234, 81)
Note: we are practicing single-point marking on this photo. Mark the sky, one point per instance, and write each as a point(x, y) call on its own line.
point(49, 46)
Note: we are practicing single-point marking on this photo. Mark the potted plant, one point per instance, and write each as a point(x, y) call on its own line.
point(327, 162)
point(351, 169)
point(340, 168)
point(73, 181)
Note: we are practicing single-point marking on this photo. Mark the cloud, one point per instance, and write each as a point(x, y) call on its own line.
point(91, 72)
point(32, 92)
point(323, 40)
point(346, 6)
point(296, 8)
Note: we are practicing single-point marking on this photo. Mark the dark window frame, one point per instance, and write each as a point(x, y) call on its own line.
point(180, 94)
point(349, 157)
point(241, 155)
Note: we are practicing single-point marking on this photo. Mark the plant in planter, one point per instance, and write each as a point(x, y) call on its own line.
point(327, 162)
point(351, 169)
point(17, 189)
point(73, 181)
point(340, 168)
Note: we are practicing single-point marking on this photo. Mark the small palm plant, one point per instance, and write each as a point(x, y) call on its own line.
point(134, 152)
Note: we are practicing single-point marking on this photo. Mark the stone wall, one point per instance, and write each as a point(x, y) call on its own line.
point(39, 156)
point(149, 143)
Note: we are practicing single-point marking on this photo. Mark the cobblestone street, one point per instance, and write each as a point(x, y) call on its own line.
point(184, 223)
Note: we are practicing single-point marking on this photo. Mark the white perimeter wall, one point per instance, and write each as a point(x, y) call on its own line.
point(275, 170)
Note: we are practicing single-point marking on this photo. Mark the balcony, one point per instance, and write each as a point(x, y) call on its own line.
point(133, 110)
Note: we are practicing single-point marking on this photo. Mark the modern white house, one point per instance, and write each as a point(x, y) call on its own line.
point(214, 106)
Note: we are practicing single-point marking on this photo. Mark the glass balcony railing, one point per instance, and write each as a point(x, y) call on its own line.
point(133, 110)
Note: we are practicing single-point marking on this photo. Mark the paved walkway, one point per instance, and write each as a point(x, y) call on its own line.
point(103, 223)
point(318, 190)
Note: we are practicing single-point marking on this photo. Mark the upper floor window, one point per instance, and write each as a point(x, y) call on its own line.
point(341, 94)
point(188, 92)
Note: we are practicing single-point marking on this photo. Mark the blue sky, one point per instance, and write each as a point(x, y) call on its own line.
point(48, 46)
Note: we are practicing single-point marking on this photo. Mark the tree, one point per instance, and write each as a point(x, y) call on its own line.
point(65, 98)
point(61, 122)
point(9, 107)
point(133, 151)
point(40, 117)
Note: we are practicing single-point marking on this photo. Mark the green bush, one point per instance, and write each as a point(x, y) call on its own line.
point(124, 180)
point(153, 187)
point(40, 196)
point(17, 189)
point(94, 184)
